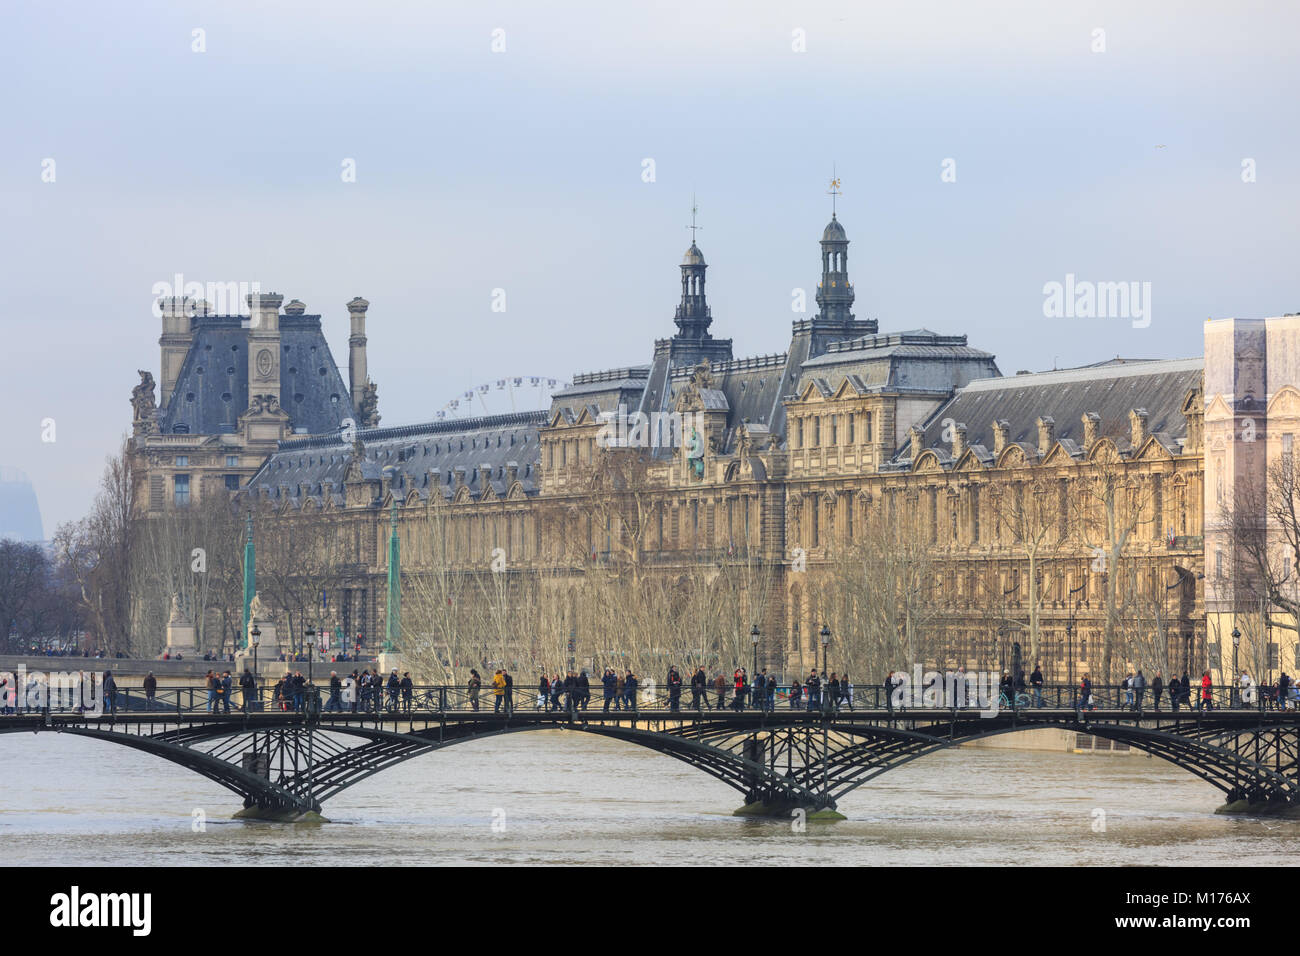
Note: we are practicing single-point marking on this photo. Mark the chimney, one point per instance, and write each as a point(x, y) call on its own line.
point(917, 438)
point(459, 480)
point(177, 336)
point(296, 307)
point(1091, 429)
point(512, 472)
point(484, 478)
point(357, 372)
point(958, 440)
point(1137, 426)
point(1046, 435)
point(1001, 435)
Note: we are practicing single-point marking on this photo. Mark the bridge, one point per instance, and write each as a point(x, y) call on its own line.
point(284, 764)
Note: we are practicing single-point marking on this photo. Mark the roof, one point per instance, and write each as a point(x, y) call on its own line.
point(423, 458)
point(1109, 391)
point(834, 232)
point(211, 389)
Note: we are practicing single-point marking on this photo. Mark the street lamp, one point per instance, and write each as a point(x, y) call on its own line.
point(753, 636)
point(311, 641)
point(1236, 643)
point(257, 685)
point(826, 642)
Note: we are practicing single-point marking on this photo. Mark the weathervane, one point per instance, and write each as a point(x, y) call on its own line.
point(834, 191)
point(692, 227)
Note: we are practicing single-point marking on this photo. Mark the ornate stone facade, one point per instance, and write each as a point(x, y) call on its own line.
point(1060, 510)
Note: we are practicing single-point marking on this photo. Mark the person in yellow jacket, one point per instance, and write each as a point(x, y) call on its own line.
point(499, 689)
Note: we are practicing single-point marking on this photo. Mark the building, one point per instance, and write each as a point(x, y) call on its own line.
point(1059, 511)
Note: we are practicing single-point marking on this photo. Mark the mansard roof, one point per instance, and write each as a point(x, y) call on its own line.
point(918, 359)
point(1110, 390)
point(423, 458)
point(212, 388)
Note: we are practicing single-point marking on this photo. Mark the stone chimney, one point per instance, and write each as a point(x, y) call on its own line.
point(296, 307)
point(1046, 435)
point(958, 440)
point(177, 312)
point(1091, 429)
point(484, 478)
point(459, 481)
point(1137, 427)
point(512, 472)
point(917, 438)
point(357, 371)
point(1001, 435)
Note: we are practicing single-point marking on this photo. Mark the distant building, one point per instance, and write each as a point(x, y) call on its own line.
point(20, 513)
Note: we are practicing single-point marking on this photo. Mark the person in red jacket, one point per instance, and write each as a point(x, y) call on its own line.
point(1207, 695)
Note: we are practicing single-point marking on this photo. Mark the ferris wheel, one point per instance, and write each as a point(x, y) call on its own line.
point(501, 396)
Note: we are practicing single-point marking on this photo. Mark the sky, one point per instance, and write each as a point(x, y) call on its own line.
point(985, 150)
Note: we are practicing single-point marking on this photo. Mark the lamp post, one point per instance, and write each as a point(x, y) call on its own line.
point(753, 636)
point(1236, 643)
point(257, 679)
point(311, 642)
point(826, 642)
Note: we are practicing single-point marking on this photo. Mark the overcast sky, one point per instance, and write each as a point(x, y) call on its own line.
point(523, 170)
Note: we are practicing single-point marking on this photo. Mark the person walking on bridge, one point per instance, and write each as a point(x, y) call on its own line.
point(699, 690)
point(1207, 692)
point(498, 692)
point(720, 687)
point(543, 693)
point(1157, 688)
point(349, 693)
point(473, 687)
point(674, 689)
point(1283, 689)
point(629, 690)
point(150, 690)
point(1036, 682)
point(1139, 690)
point(227, 688)
point(814, 686)
point(1085, 693)
point(608, 688)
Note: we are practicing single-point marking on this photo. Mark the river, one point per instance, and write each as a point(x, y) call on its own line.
point(551, 797)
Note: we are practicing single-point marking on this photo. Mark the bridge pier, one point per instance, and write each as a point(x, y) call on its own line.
point(786, 809)
point(279, 815)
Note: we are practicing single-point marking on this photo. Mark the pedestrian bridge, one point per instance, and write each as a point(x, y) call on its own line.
point(285, 764)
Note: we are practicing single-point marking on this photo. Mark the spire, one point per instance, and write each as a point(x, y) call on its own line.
point(835, 293)
point(693, 318)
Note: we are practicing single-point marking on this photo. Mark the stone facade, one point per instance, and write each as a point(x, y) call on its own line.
point(1060, 510)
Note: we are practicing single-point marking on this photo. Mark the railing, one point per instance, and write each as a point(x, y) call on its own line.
point(649, 696)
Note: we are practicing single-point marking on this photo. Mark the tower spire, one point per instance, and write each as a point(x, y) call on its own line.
point(834, 191)
point(693, 319)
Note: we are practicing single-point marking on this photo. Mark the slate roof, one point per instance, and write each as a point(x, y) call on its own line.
point(918, 360)
point(425, 457)
point(212, 388)
point(1109, 390)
